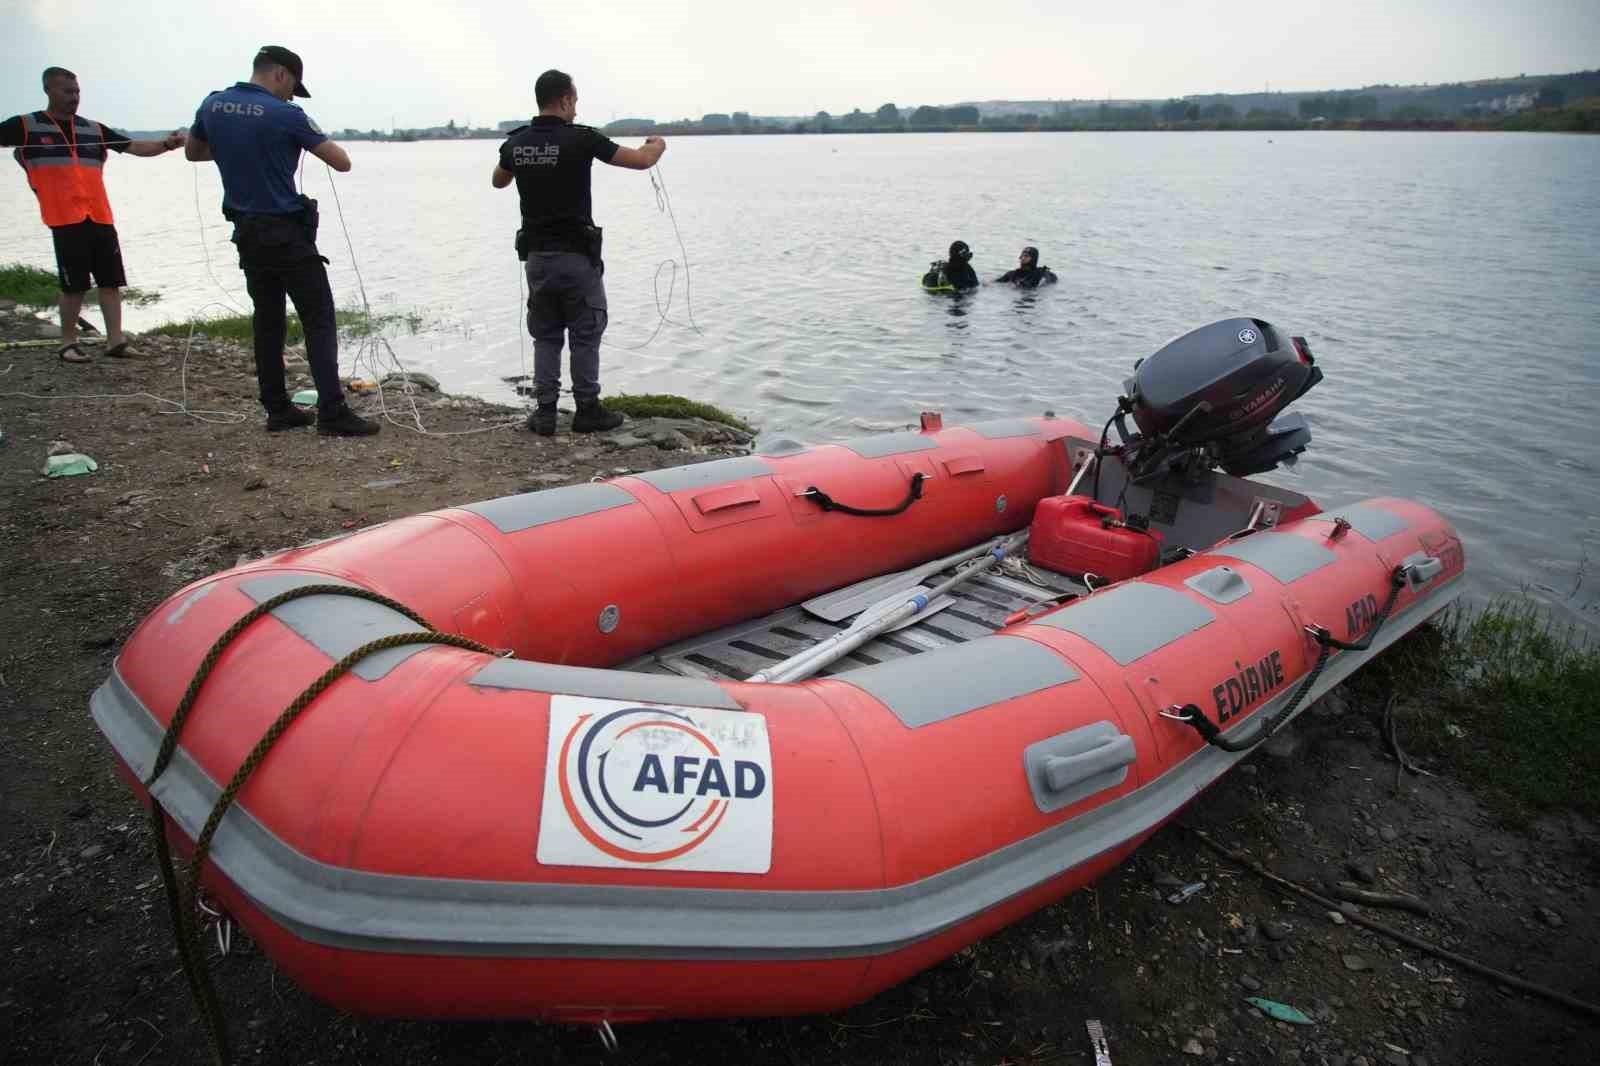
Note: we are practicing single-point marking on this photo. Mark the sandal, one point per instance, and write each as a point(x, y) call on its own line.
point(120, 351)
point(78, 357)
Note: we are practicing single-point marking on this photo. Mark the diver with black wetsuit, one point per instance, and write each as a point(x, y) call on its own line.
point(955, 272)
point(1029, 274)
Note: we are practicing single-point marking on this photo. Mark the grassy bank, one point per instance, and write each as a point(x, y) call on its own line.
point(1503, 698)
point(28, 285)
point(353, 323)
point(32, 286)
point(665, 405)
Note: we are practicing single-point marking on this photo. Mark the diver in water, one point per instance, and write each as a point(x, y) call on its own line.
point(1029, 274)
point(954, 273)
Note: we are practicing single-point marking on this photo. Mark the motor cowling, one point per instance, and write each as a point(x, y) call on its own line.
point(1222, 386)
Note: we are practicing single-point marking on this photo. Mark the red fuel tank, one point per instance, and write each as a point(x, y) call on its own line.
point(1075, 535)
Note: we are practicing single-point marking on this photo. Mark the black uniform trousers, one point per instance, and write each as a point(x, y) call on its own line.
point(278, 255)
point(566, 300)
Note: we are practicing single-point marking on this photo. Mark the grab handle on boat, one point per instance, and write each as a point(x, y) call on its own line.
point(723, 499)
point(1421, 568)
point(962, 465)
point(828, 503)
point(1064, 771)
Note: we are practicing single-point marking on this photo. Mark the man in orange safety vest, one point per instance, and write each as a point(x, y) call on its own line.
point(64, 155)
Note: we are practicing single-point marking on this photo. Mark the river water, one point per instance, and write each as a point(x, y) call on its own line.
point(1449, 284)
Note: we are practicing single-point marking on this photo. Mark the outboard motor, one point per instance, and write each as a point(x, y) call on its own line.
point(1215, 394)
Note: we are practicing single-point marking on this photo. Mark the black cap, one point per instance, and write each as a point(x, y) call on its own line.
point(1031, 252)
point(285, 58)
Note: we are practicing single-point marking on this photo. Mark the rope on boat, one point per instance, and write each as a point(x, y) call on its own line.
point(1194, 716)
point(182, 899)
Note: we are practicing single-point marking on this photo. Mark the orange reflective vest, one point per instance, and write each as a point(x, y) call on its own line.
point(64, 162)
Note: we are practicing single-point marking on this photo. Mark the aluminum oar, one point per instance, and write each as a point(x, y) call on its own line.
point(883, 617)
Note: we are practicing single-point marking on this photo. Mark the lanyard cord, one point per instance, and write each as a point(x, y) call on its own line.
point(70, 138)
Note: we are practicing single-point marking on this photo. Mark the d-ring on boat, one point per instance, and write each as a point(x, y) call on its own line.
point(763, 735)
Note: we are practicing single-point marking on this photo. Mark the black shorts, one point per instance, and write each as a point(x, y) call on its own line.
point(88, 248)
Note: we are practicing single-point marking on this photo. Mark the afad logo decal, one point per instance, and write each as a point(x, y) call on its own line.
point(664, 787)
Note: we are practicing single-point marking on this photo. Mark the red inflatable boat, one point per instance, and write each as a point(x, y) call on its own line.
point(763, 735)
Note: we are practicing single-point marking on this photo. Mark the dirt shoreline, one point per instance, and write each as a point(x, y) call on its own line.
point(89, 974)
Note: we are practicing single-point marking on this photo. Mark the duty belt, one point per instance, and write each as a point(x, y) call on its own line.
point(245, 216)
point(557, 244)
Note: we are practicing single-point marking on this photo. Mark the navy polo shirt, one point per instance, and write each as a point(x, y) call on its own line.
point(256, 141)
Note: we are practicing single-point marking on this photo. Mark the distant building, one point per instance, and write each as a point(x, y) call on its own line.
point(1506, 105)
point(630, 127)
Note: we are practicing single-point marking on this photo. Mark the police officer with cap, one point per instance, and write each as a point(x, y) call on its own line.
point(255, 135)
point(550, 159)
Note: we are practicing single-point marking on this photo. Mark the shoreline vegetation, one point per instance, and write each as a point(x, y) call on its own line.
point(38, 288)
point(1556, 103)
point(1582, 117)
point(1500, 697)
point(353, 322)
point(1173, 117)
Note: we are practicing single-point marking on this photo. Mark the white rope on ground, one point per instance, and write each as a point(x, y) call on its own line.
point(178, 407)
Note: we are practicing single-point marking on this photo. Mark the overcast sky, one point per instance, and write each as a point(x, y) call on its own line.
point(147, 63)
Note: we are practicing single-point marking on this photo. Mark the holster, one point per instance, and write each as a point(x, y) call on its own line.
point(594, 237)
point(521, 244)
point(309, 217)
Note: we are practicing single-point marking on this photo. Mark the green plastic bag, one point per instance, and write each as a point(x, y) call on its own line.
point(1279, 1011)
point(305, 398)
point(69, 465)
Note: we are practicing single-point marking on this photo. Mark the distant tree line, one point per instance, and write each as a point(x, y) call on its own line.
point(1557, 102)
point(450, 131)
point(1338, 108)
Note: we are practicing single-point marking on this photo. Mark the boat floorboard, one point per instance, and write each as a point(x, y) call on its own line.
point(980, 607)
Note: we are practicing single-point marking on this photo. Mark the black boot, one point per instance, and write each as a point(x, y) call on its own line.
point(290, 417)
point(592, 418)
point(542, 420)
point(345, 423)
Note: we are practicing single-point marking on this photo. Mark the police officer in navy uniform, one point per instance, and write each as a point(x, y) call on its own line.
point(550, 160)
point(256, 135)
